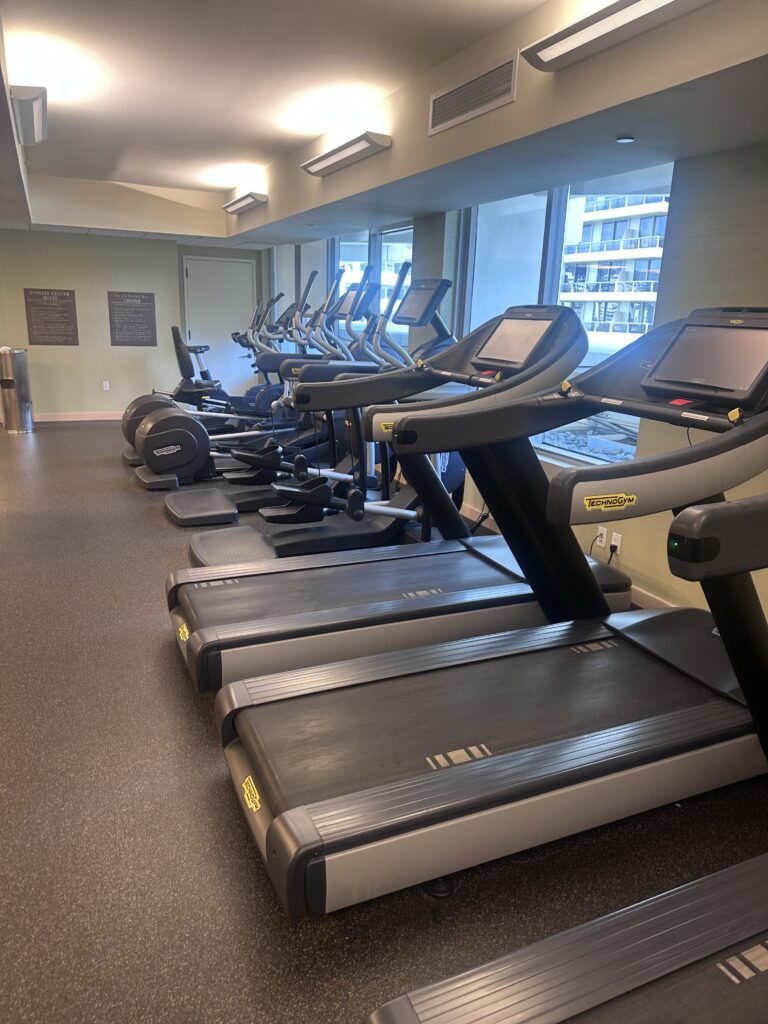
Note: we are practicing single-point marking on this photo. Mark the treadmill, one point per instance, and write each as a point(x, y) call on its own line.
point(366, 776)
point(251, 543)
point(235, 622)
point(695, 955)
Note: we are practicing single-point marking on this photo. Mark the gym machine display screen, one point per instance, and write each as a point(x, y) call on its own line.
point(348, 302)
point(713, 358)
point(512, 343)
point(420, 303)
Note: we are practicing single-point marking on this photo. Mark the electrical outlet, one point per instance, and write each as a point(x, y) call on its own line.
point(105, 385)
point(602, 536)
point(616, 542)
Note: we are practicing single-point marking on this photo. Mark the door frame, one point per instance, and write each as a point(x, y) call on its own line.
point(186, 260)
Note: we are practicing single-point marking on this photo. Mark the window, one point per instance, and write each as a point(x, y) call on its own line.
point(396, 248)
point(617, 295)
point(353, 257)
point(509, 240)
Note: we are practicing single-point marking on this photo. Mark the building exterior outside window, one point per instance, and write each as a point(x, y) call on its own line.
point(612, 252)
point(394, 248)
point(353, 257)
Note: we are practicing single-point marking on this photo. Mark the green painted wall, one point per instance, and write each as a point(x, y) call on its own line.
point(67, 380)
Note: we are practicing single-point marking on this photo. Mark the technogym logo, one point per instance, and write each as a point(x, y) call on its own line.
point(609, 502)
point(251, 794)
point(170, 449)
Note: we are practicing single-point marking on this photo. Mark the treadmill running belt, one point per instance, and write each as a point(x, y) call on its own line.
point(328, 744)
point(255, 598)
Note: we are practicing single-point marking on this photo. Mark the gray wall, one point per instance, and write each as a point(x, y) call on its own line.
point(715, 253)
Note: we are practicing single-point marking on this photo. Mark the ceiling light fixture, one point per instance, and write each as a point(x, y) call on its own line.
point(249, 201)
point(613, 24)
point(625, 140)
point(359, 148)
point(30, 112)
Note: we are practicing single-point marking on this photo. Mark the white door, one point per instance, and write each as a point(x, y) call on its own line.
point(220, 295)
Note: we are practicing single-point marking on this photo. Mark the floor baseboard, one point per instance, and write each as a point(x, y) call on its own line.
point(77, 417)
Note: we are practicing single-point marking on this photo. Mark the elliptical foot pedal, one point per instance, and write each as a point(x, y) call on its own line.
point(157, 481)
point(130, 456)
point(250, 477)
point(230, 546)
point(206, 507)
point(291, 513)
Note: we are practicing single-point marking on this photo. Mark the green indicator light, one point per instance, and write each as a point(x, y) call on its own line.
point(674, 543)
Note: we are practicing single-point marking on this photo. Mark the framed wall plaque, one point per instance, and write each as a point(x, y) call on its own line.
point(51, 316)
point(132, 318)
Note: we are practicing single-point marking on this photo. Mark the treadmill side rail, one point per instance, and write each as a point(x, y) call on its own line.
point(565, 975)
point(429, 799)
point(399, 1011)
point(464, 839)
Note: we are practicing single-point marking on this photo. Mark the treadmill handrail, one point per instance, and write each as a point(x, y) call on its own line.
point(719, 539)
point(322, 371)
point(658, 483)
point(381, 387)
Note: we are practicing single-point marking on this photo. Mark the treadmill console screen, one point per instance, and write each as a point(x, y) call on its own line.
point(420, 303)
point(713, 358)
point(512, 343)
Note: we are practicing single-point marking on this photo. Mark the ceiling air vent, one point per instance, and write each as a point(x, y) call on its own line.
point(487, 91)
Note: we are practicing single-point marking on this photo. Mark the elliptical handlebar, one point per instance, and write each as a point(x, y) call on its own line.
point(362, 284)
point(405, 270)
point(380, 334)
point(268, 309)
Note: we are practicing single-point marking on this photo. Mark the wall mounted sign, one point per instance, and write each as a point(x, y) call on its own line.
point(51, 316)
point(132, 318)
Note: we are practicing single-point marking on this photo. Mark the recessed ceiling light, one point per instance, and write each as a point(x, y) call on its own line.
point(624, 140)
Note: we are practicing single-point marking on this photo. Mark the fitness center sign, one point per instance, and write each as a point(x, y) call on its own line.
point(51, 316)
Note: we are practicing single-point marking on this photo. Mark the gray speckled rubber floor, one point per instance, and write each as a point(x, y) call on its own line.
point(130, 890)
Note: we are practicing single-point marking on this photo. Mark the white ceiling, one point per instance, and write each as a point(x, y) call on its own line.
point(722, 111)
point(157, 92)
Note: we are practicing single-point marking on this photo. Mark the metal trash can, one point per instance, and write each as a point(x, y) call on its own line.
point(16, 391)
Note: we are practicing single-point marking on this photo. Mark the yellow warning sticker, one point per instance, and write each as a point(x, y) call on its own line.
point(251, 794)
point(183, 632)
point(609, 502)
point(387, 427)
point(295, 370)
